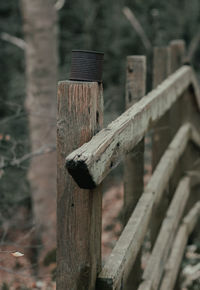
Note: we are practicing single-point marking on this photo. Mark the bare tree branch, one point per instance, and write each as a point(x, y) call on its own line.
point(13, 117)
point(16, 162)
point(193, 45)
point(14, 40)
point(59, 4)
point(138, 27)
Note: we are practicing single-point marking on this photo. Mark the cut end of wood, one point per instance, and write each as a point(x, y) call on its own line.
point(80, 173)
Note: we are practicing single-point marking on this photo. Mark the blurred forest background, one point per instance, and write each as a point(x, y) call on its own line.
point(36, 39)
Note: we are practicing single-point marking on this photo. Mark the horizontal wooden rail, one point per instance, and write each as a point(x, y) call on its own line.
point(94, 160)
point(178, 247)
point(156, 263)
point(123, 255)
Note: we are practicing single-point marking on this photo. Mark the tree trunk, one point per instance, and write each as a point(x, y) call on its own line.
point(40, 28)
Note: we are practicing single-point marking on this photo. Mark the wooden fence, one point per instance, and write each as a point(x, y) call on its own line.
point(171, 113)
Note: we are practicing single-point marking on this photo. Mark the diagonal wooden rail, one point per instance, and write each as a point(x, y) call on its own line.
point(173, 263)
point(155, 265)
point(123, 255)
point(90, 163)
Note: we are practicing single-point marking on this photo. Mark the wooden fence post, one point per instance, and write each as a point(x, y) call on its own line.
point(177, 48)
point(177, 54)
point(80, 116)
point(134, 161)
point(161, 130)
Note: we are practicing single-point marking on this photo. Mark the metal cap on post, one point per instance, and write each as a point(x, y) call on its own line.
point(86, 66)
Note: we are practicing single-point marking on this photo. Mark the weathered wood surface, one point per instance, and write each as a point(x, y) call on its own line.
point(94, 160)
point(80, 116)
point(195, 136)
point(160, 133)
point(120, 262)
point(189, 160)
point(175, 258)
point(177, 252)
point(165, 167)
point(156, 262)
point(177, 56)
point(192, 217)
point(161, 130)
point(196, 88)
point(134, 161)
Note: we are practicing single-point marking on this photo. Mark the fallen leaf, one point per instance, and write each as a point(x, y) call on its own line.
point(17, 254)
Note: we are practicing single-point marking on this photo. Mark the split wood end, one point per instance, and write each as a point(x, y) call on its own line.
point(79, 171)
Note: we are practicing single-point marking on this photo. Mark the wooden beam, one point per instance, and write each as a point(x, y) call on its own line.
point(161, 130)
point(94, 160)
point(177, 252)
point(196, 89)
point(177, 55)
point(175, 258)
point(146, 285)
point(165, 167)
point(78, 210)
point(122, 258)
point(134, 160)
point(156, 262)
point(160, 133)
point(161, 64)
point(191, 218)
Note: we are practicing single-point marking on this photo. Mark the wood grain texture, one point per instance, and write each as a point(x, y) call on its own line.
point(146, 285)
point(177, 252)
point(168, 162)
point(156, 262)
point(160, 132)
point(189, 161)
point(166, 166)
point(134, 161)
point(122, 258)
point(80, 116)
point(175, 258)
point(95, 159)
point(192, 217)
point(177, 56)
